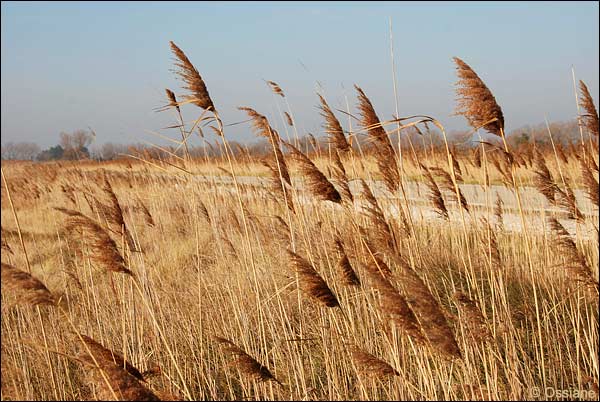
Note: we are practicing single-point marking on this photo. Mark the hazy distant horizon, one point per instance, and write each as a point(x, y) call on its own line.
point(68, 66)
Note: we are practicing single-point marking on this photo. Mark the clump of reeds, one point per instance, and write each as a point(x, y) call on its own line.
point(311, 282)
point(104, 251)
point(590, 117)
point(113, 377)
point(370, 365)
point(476, 102)
point(191, 77)
point(318, 184)
point(26, 287)
point(247, 365)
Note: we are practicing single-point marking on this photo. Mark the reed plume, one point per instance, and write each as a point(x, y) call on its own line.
point(114, 214)
point(471, 318)
point(340, 177)
point(277, 185)
point(394, 304)
point(288, 119)
point(172, 99)
point(104, 251)
point(204, 212)
point(311, 282)
point(543, 180)
point(435, 196)
point(371, 122)
point(590, 117)
point(26, 287)
point(448, 186)
point(554, 194)
point(456, 167)
point(193, 82)
point(489, 245)
point(476, 157)
point(333, 128)
point(499, 211)
point(576, 264)
point(566, 199)
point(101, 353)
point(385, 154)
point(147, 216)
point(371, 365)
point(476, 102)
point(429, 312)
point(318, 184)
point(504, 162)
point(111, 374)
point(247, 365)
point(380, 231)
point(262, 127)
point(5, 246)
point(376, 264)
point(347, 274)
point(589, 182)
point(276, 89)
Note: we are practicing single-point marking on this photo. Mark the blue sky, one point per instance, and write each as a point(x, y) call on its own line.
point(105, 65)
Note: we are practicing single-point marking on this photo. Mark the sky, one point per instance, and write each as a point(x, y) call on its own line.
point(74, 65)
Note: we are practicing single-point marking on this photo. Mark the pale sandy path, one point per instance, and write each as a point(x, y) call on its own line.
point(535, 205)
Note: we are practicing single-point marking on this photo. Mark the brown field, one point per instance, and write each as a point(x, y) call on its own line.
point(334, 274)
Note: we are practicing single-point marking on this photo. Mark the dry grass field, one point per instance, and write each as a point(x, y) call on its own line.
point(307, 276)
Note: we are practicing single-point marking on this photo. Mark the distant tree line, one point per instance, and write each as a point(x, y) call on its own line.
point(76, 145)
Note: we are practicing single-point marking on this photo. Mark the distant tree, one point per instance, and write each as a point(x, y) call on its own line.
point(75, 144)
point(20, 150)
point(52, 153)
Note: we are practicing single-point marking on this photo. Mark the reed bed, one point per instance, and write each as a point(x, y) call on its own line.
point(326, 277)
